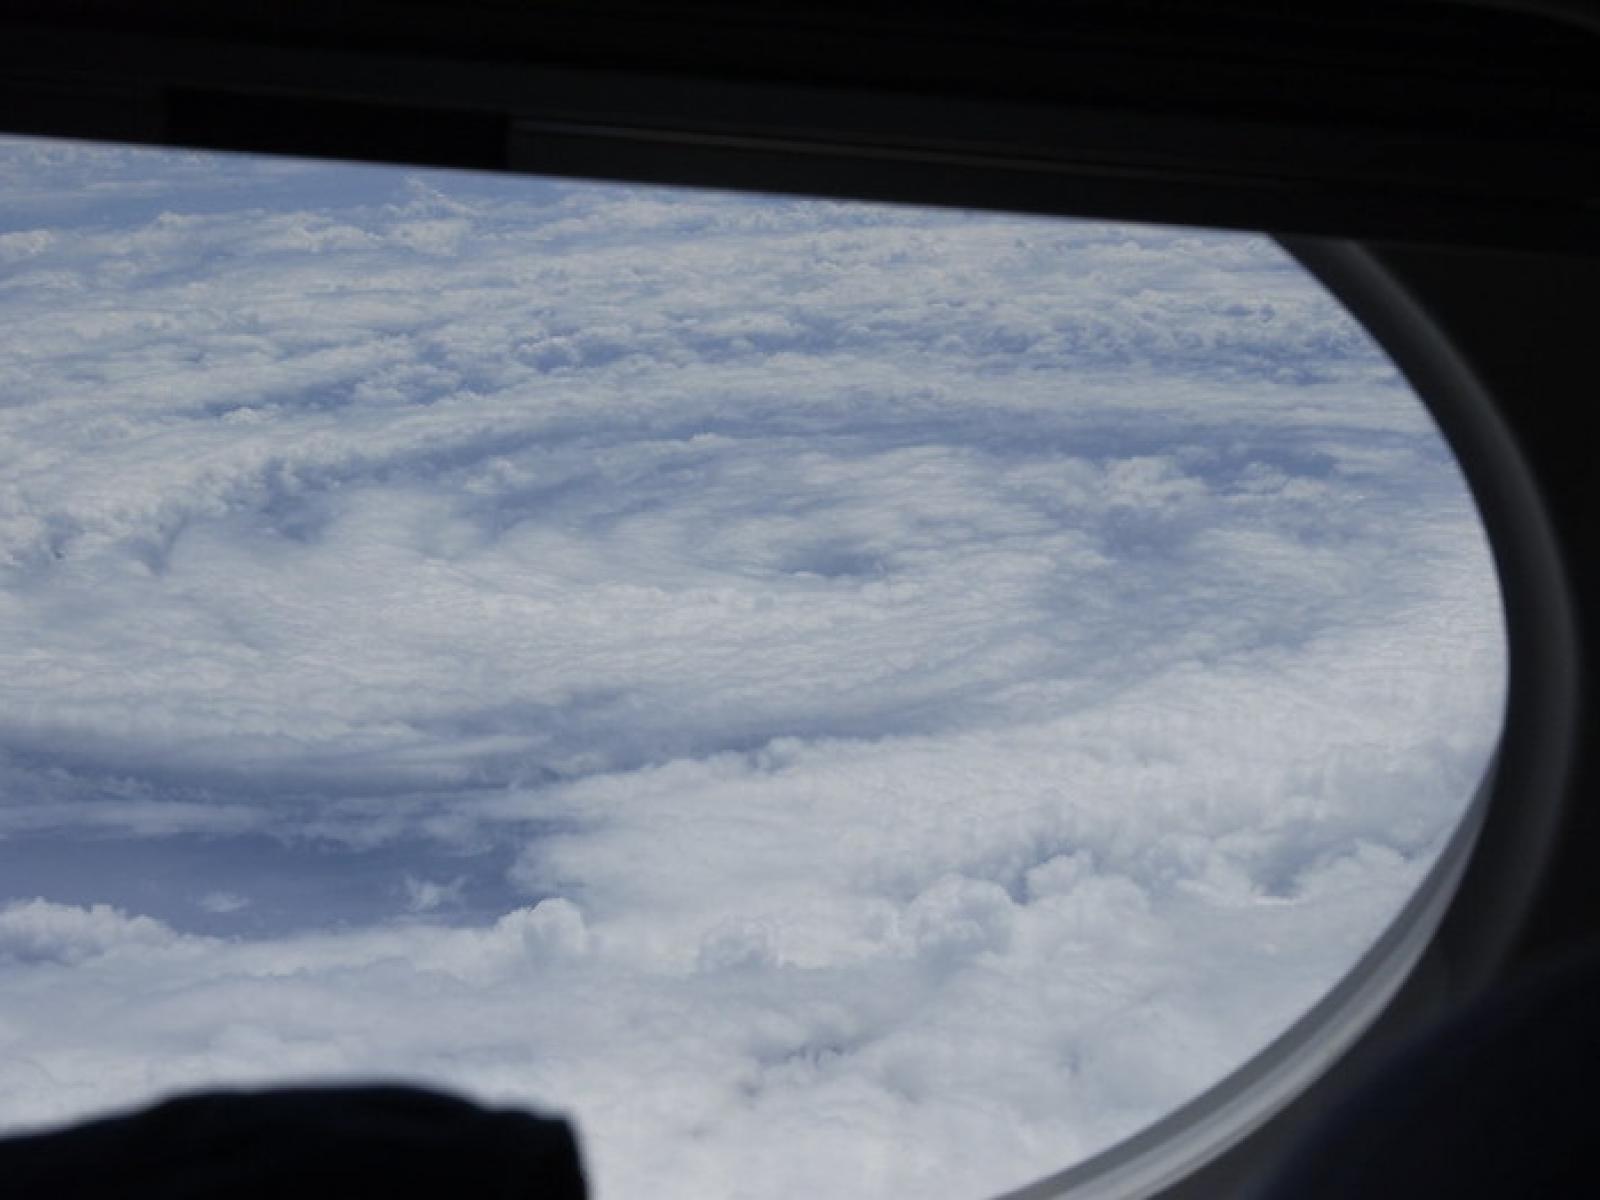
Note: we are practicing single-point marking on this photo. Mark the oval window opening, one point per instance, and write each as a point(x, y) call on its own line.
point(839, 699)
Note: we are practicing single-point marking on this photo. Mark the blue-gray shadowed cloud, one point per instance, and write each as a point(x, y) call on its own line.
point(259, 886)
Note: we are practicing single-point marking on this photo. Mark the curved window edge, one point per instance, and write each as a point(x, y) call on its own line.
point(1458, 929)
point(1221, 1118)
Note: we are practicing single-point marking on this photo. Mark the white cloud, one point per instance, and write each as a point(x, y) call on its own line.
point(926, 680)
point(424, 895)
point(36, 931)
point(223, 903)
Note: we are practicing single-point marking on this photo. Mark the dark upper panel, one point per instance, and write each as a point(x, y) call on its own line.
point(1424, 121)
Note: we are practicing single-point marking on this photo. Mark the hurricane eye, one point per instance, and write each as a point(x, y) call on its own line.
point(840, 699)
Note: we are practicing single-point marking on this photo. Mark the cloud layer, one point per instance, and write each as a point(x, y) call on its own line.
point(844, 699)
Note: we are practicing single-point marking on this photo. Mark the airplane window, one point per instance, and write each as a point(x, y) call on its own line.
point(841, 699)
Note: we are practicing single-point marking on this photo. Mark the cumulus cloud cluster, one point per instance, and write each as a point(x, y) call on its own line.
point(843, 699)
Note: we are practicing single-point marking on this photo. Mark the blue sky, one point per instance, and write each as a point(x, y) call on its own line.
point(842, 699)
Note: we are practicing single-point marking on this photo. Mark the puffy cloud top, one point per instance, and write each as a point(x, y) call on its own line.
point(37, 931)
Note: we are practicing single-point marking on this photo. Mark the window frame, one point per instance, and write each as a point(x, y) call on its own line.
point(1452, 246)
